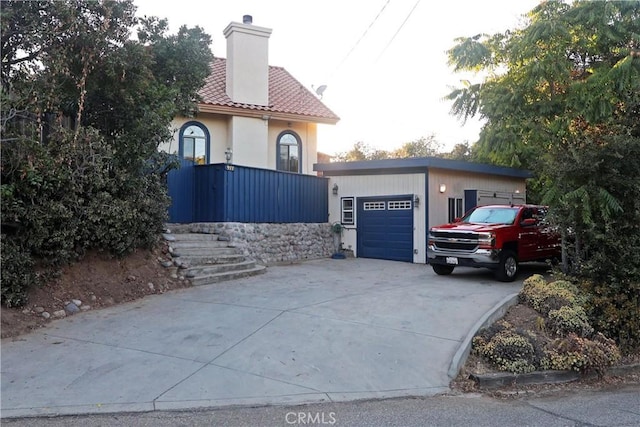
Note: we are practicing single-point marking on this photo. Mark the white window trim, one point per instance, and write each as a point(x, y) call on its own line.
point(344, 210)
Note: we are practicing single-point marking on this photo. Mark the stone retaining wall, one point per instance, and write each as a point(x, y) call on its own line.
point(275, 243)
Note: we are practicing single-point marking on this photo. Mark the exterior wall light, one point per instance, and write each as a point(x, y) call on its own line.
point(443, 188)
point(335, 189)
point(228, 155)
point(416, 201)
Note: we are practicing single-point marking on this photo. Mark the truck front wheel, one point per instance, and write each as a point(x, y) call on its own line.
point(508, 267)
point(442, 270)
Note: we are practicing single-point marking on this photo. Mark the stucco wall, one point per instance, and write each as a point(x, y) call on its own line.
point(218, 131)
point(249, 141)
point(308, 136)
point(263, 134)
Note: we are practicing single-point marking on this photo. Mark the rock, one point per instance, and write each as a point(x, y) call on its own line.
point(131, 278)
point(39, 309)
point(93, 298)
point(150, 286)
point(85, 308)
point(59, 314)
point(169, 238)
point(77, 302)
point(166, 264)
point(46, 315)
point(174, 276)
point(71, 308)
point(26, 311)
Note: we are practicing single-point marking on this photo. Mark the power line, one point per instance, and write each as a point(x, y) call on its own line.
point(399, 29)
point(360, 39)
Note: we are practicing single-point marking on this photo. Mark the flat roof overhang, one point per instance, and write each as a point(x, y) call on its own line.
point(413, 165)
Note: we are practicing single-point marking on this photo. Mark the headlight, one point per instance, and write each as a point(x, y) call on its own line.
point(487, 240)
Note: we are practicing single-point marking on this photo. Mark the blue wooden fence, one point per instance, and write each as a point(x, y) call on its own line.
point(181, 190)
point(222, 193)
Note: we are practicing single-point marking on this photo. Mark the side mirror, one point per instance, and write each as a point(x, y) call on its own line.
point(529, 222)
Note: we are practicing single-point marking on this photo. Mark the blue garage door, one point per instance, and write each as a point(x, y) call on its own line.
point(385, 228)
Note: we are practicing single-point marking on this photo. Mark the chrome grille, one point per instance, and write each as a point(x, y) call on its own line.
point(463, 242)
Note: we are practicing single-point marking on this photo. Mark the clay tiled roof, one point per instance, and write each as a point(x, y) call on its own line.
point(287, 96)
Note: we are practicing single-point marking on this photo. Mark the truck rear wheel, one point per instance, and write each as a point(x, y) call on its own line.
point(508, 267)
point(442, 270)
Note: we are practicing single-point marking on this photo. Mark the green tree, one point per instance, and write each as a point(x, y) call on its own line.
point(84, 107)
point(561, 96)
point(421, 147)
point(462, 151)
point(359, 152)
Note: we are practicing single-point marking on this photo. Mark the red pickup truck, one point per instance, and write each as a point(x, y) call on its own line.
point(498, 237)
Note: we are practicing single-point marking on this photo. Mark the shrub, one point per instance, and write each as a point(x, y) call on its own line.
point(582, 354)
point(17, 273)
point(569, 319)
point(60, 199)
point(510, 352)
point(614, 310)
point(508, 349)
point(544, 297)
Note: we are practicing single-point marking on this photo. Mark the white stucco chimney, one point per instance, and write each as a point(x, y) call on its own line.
point(247, 62)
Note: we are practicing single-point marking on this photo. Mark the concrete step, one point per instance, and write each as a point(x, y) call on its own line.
point(191, 237)
point(205, 252)
point(211, 244)
point(227, 275)
point(204, 260)
point(208, 270)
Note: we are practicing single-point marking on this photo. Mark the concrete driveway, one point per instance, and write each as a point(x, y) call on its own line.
point(324, 330)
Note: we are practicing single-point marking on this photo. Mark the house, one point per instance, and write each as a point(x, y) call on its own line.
point(251, 114)
point(251, 171)
point(386, 206)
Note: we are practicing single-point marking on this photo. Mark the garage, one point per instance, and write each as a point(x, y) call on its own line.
point(386, 206)
point(385, 228)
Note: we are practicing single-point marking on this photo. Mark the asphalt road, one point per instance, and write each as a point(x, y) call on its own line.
point(606, 407)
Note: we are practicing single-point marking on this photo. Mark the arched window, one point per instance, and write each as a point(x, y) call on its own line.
point(289, 152)
point(194, 143)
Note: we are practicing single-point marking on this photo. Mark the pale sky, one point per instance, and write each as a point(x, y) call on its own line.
point(386, 86)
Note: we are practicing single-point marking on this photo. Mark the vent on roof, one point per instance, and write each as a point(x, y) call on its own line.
point(247, 19)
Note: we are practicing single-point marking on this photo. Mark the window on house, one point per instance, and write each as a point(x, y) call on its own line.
point(289, 152)
point(455, 208)
point(194, 143)
point(346, 216)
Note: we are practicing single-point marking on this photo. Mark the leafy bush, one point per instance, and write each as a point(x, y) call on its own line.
point(60, 199)
point(507, 349)
point(582, 354)
point(569, 320)
point(544, 297)
point(17, 273)
point(614, 310)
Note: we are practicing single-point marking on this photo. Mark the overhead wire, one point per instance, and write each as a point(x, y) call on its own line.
point(398, 30)
point(360, 39)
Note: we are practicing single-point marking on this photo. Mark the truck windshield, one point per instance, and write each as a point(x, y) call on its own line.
point(492, 215)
